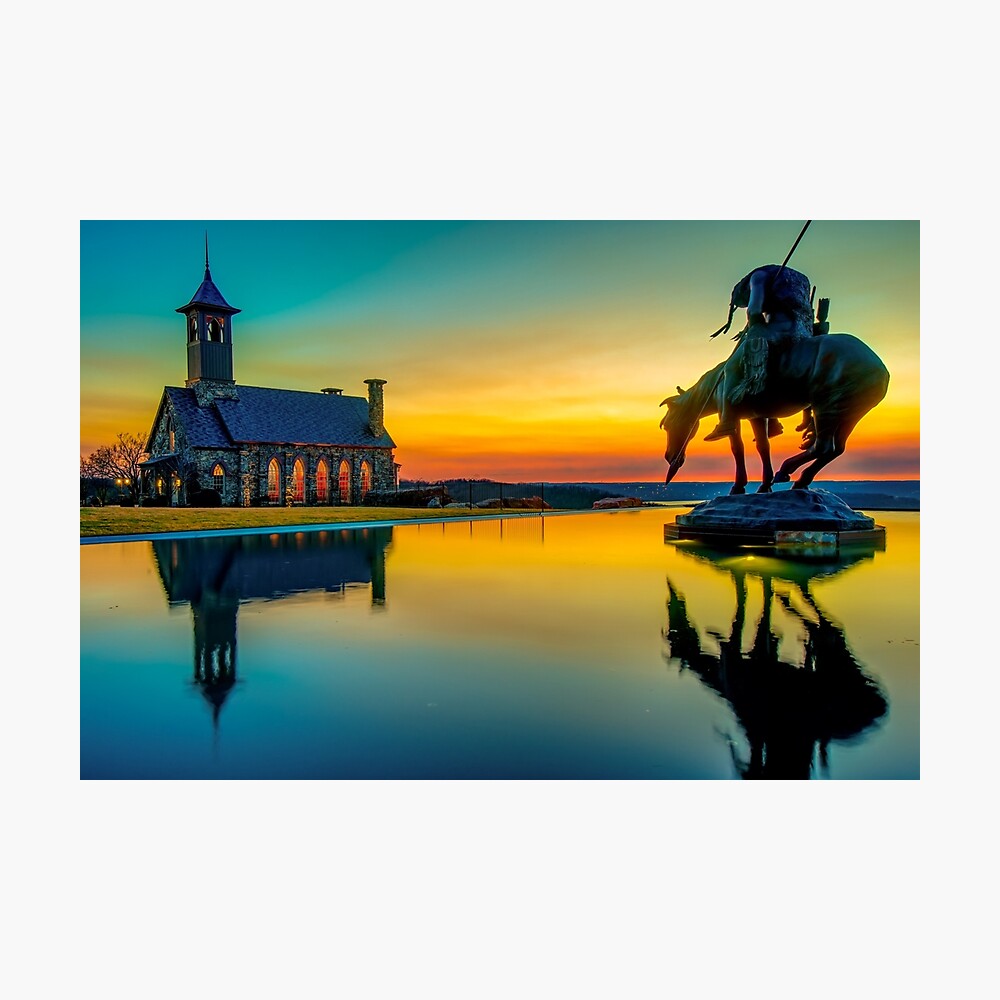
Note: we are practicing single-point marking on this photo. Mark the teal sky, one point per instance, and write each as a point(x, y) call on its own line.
point(440, 272)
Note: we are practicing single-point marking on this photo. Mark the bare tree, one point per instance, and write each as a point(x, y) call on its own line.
point(90, 479)
point(119, 462)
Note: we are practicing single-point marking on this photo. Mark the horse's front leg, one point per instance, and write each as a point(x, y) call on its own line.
point(739, 457)
point(759, 426)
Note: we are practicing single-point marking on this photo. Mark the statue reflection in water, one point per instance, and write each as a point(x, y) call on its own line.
point(216, 575)
point(789, 710)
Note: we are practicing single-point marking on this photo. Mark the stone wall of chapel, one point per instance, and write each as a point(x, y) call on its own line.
point(203, 460)
point(383, 470)
point(159, 444)
point(159, 440)
point(380, 460)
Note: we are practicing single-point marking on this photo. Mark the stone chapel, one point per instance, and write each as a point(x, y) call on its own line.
point(254, 446)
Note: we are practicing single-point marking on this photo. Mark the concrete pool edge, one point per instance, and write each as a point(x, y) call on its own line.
point(152, 536)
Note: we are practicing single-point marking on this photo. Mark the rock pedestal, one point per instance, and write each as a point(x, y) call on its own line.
point(794, 518)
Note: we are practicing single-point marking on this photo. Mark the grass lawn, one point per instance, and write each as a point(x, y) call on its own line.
point(143, 520)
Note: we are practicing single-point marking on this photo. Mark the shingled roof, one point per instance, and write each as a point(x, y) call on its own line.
point(202, 427)
point(208, 295)
point(276, 416)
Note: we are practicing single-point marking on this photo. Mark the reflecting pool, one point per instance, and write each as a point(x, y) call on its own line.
point(564, 646)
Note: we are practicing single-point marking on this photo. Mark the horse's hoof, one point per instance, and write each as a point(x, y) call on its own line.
point(737, 491)
point(763, 489)
point(800, 486)
point(782, 477)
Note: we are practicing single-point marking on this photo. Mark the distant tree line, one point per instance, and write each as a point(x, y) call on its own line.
point(113, 466)
point(565, 496)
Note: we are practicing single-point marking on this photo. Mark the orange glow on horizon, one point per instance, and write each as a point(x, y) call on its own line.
point(538, 443)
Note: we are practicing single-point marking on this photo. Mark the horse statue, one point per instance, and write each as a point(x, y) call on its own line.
point(836, 377)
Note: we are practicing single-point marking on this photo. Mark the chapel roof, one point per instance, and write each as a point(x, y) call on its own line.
point(276, 416)
point(202, 426)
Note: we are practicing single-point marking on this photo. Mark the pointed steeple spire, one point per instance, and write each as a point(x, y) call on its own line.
point(208, 294)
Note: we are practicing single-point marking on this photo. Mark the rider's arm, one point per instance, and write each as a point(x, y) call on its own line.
point(755, 308)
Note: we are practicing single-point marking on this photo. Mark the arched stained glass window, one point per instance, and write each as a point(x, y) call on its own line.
point(366, 478)
point(344, 478)
point(322, 482)
point(273, 480)
point(218, 478)
point(299, 480)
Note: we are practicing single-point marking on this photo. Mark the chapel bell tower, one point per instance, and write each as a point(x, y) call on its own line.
point(209, 322)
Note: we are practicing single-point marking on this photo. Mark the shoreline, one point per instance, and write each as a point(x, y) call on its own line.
point(275, 529)
point(394, 521)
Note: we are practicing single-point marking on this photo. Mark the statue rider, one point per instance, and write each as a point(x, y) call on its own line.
point(777, 301)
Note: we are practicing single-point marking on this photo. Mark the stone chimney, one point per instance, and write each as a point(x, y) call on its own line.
point(376, 408)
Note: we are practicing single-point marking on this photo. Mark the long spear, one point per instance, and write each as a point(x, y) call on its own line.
point(794, 245)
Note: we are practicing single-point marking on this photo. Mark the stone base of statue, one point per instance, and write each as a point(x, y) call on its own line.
point(788, 520)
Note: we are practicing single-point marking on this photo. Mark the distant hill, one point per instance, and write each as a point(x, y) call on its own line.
point(863, 494)
point(867, 494)
point(563, 496)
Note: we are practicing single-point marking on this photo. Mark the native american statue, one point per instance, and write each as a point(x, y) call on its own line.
point(785, 361)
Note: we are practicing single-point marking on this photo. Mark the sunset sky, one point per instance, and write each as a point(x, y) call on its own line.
point(514, 350)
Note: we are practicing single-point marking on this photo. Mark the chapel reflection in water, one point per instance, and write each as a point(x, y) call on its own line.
point(790, 707)
point(216, 575)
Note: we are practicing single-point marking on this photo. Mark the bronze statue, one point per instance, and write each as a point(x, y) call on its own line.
point(785, 362)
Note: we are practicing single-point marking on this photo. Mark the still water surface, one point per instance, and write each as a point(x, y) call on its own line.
point(580, 646)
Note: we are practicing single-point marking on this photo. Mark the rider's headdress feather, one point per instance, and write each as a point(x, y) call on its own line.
point(739, 299)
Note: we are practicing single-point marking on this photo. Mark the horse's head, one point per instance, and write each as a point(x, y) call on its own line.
point(678, 428)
